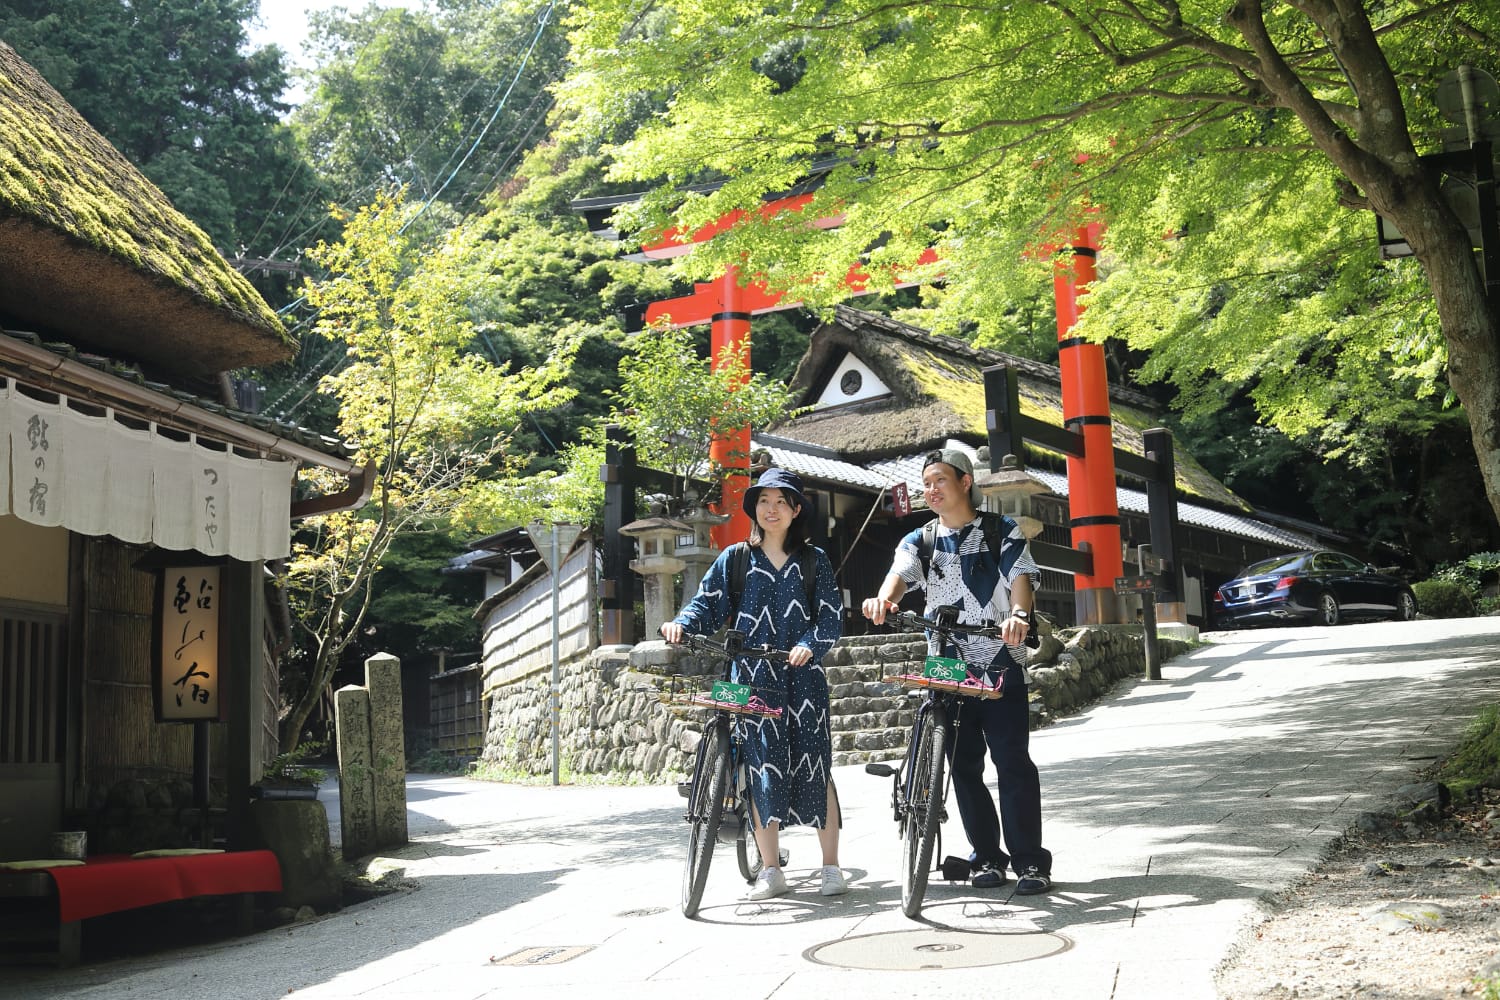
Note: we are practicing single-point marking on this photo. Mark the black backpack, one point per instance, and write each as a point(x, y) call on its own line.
point(739, 568)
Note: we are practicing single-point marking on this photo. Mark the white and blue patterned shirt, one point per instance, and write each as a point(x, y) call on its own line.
point(963, 572)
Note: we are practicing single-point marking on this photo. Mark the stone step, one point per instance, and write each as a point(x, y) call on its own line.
point(864, 689)
point(892, 738)
point(841, 758)
point(889, 718)
point(864, 706)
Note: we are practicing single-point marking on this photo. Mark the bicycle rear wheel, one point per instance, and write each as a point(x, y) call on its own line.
point(705, 812)
point(924, 808)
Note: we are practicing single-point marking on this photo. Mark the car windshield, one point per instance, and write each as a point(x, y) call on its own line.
point(1276, 564)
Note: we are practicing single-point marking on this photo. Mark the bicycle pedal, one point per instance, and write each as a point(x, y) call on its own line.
point(956, 869)
point(685, 789)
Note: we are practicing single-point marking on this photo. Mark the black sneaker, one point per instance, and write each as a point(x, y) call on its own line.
point(1031, 883)
point(988, 876)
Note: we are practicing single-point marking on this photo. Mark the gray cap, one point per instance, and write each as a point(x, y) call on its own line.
point(963, 465)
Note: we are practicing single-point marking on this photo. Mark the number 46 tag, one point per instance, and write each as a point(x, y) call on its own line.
point(945, 668)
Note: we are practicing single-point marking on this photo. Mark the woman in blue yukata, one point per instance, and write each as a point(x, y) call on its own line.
point(789, 756)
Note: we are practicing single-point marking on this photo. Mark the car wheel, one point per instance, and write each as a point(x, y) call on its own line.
point(1406, 607)
point(1328, 609)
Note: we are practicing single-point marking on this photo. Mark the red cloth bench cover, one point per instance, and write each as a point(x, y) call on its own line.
point(112, 882)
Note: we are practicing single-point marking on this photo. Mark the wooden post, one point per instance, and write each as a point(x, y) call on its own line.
point(617, 588)
point(243, 604)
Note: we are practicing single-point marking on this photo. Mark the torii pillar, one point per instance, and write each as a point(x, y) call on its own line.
point(729, 336)
point(726, 306)
point(1093, 505)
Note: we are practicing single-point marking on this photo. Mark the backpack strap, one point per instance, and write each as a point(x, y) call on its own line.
point(807, 558)
point(738, 569)
point(925, 544)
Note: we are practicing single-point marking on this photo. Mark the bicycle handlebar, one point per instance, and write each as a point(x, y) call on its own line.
point(733, 645)
point(943, 625)
point(946, 626)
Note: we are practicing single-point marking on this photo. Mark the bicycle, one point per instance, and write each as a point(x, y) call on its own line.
point(918, 793)
point(720, 781)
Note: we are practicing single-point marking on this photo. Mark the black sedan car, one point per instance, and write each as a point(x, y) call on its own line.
point(1316, 588)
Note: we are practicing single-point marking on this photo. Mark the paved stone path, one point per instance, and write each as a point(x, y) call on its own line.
point(1172, 808)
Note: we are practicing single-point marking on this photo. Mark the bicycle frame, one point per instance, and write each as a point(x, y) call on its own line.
point(718, 783)
point(919, 820)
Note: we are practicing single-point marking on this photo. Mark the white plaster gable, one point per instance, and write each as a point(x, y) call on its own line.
point(853, 381)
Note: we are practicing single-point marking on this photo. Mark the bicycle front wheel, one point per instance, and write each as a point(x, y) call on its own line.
point(705, 812)
point(924, 808)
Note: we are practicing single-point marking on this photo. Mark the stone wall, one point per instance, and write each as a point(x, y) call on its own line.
point(614, 722)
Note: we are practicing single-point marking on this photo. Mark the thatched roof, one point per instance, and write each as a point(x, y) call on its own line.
point(937, 387)
point(93, 252)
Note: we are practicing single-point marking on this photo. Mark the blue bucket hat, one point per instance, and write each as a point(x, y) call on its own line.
point(789, 483)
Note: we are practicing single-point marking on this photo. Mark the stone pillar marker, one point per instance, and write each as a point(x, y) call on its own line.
point(351, 709)
point(387, 748)
point(372, 759)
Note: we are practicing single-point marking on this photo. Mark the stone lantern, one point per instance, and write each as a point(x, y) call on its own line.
point(656, 547)
point(1013, 489)
point(696, 548)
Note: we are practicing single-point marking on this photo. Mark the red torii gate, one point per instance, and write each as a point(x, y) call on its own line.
point(1093, 504)
point(727, 305)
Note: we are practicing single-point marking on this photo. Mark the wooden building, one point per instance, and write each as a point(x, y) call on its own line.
point(121, 457)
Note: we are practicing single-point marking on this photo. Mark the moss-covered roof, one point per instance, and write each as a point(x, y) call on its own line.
point(92, 250)
point(937, 386)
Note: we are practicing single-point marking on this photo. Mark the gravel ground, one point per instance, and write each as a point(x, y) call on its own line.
point(1412, 913)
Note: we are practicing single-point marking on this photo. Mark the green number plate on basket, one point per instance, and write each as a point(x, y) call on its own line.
point(730, 694)
point(945, 668)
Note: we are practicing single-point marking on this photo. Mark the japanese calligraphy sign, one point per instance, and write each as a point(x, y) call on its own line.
point(187, 666)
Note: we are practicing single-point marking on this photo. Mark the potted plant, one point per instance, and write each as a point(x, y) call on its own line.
point(289, 776)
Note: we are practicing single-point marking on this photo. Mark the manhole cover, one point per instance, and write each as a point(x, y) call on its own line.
point(553, 955)
point(935, 949)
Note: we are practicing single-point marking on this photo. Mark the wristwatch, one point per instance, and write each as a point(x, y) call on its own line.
point(1022, 614)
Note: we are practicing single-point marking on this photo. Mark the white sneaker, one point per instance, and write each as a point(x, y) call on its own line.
point(770, 882)
point(833, 881)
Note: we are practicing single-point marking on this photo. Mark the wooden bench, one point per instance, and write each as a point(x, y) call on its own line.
point(45, 908)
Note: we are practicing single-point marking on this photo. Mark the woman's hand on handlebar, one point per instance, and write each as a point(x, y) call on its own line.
point(672, 632)
point(876, 608)
point(799, 656)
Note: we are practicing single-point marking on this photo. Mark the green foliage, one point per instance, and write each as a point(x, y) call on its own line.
point(1474, 573)
point(1443, 599)
point(431, 418)
point(291, 768)
point(673, 401)
point(416, 607)
point(1476, 762)
point(1233, 158)
point(433, 100)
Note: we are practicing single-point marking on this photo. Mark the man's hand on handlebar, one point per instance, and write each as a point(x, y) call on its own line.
point(876, 608)
point(672, 632)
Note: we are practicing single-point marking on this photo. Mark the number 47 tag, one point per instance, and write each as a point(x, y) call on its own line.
point(730, 694)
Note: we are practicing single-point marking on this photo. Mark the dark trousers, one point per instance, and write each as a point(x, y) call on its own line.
point(1004, 725)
